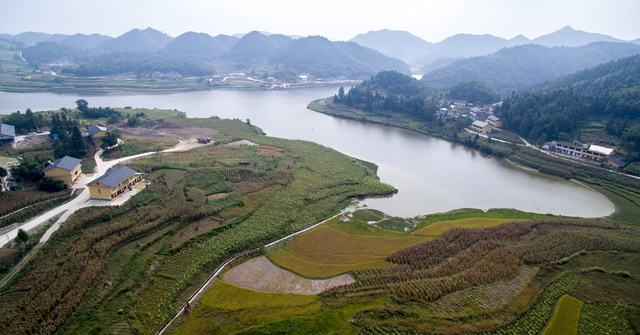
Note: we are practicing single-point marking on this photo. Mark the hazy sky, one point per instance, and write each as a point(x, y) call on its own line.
point(432, 20)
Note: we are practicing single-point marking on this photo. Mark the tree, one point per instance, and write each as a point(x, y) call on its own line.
point(48, 184)
point(83, 105)
point(77, 144)
point(341, 93)
point(109, 140)
point(22, 237)
point(29, 169)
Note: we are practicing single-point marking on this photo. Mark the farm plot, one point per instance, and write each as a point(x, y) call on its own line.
point(237, 308)
point(261, 275)
point(565, 319)
point(483, 297)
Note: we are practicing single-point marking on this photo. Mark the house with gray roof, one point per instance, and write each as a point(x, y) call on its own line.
point(65, 169)
point(113, 183)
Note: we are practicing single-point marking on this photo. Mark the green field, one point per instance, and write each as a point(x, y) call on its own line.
point(566, 317)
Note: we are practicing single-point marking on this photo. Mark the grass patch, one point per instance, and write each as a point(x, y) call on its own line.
point(134, 146)
point(358, 228)
point(466, 213)
point(325, 258)
point(368, 215)
point(227, 296)
point(627, 208)
point(607, 288)
point(327, 321)
point(236, 308)
point(440, 227)
point(328, 240)
point(308, 269)
point(152, 114)
point(566, 317)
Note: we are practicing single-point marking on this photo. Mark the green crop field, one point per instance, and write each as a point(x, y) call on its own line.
point(566, 317)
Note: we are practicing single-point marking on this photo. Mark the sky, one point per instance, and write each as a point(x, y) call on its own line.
point(338, 20)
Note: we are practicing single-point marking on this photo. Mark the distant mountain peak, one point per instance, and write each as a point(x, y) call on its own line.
point(567, 28)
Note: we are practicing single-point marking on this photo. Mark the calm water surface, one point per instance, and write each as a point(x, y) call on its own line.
point(431, 175)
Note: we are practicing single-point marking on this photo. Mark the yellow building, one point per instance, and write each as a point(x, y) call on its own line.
point(113, 183)
point(97, 133)
point(480, 127)
point(597, 153)
point(65, 169)
point(494, 121)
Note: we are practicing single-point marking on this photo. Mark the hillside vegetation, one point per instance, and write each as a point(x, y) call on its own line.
point(128, 269)
point(608, 94)
point(512, 69)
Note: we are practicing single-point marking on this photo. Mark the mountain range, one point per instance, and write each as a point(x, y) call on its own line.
point(415, 51)
point(314, 55)
point(444, 63)
point(514, 68)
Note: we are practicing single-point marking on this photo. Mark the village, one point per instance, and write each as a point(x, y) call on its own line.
point(484, 122)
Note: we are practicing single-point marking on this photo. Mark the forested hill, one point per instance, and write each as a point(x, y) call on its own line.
point(323, 58)
point(391, 91)
point(608, 94)
point(512, 69)
point(143, 52)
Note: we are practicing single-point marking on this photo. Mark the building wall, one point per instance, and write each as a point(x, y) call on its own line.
point(496, 124)
point(100, 191)
point(484, 130)
point(67, 177)
point(97, 138)
point(593, 155)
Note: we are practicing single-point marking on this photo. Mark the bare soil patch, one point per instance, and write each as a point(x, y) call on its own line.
point(261, 275)
point(166, 129)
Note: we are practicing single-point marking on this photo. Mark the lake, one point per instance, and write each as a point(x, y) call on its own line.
point(432, 175)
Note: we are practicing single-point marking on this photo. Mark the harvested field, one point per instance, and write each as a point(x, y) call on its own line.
point(261, 275)
point(318, 270)
point(326, 258)
point(328, 240)
point(269, 151)
point(440, 227)
point(484, 297)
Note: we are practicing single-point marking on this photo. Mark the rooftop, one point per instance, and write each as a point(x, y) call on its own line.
point(493, 118)
point(114, 177)
point(480, 123)
point(66, 162)
point(96, 129)
point(600, 150)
